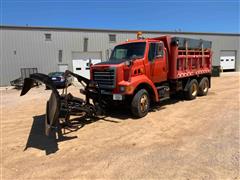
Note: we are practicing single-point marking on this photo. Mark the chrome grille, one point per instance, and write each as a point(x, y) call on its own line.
point(105, 78)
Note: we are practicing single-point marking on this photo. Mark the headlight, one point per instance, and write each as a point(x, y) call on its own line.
point(125, 89)
point(122, 88)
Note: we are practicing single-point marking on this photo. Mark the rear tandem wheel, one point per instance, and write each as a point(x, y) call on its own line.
point(203, 87)
point(192, 90)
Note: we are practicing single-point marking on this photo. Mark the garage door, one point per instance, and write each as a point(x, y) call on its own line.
point(227, 60)
point(82, 66)
point(82, 61)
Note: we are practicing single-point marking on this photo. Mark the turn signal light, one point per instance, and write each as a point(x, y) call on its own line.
point(128, 88)
point(125, 88)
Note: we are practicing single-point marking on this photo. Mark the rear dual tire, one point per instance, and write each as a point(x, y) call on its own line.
point(203, 87)
point(192, 90)
point(195, 89)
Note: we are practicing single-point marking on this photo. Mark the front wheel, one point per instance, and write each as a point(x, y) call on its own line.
point(140, 103)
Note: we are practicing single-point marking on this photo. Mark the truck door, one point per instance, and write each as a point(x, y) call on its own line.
point(157, 60)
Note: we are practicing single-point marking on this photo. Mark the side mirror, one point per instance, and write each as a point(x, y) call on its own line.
point(129, 63)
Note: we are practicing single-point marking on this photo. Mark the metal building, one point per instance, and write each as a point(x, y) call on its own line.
point(54, 49)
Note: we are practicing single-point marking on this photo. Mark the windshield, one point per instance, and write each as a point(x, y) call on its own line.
point(128, 51)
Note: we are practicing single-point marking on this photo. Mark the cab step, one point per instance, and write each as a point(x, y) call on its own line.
point(163, 92)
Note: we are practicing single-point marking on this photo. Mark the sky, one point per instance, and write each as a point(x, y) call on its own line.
point(172, 15)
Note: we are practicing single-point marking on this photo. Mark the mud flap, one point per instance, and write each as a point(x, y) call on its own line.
point(53, 104)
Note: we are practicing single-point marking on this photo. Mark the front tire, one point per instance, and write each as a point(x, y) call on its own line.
point(140, 103)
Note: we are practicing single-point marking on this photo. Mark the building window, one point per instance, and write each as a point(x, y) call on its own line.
point(60, 56)
point(48, 37)
point(85, 45)
point(107, 54)
point(112, 37)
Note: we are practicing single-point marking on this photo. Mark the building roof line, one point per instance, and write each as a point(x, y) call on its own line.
point(44, 28)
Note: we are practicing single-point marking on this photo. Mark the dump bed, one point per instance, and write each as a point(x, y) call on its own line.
point(189, 57)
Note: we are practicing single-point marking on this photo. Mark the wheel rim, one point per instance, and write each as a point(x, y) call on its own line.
point(194, 89)
point(144, 103)
point(205, 86)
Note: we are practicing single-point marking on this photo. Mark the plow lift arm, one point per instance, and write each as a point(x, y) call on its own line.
point(60, 107)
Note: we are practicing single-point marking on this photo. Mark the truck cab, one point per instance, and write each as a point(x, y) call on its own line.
point(138, 71)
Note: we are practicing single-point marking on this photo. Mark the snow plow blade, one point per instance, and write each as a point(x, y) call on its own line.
point(59, 108)
point(54, 102)
point(30, 82)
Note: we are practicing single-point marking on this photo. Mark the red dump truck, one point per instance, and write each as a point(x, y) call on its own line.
point(138, 72)
point(144, 70)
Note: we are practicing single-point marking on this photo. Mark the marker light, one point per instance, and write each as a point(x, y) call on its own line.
point(139, 35)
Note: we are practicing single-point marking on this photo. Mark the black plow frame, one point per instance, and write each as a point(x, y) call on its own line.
point(60, 107)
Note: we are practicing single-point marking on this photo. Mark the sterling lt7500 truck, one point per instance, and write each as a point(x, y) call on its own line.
point(138, 72)
point(144, 70)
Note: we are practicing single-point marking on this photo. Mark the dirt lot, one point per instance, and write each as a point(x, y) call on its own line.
point(180, 140)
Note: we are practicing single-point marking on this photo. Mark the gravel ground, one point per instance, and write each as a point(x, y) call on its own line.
point(179, 139)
